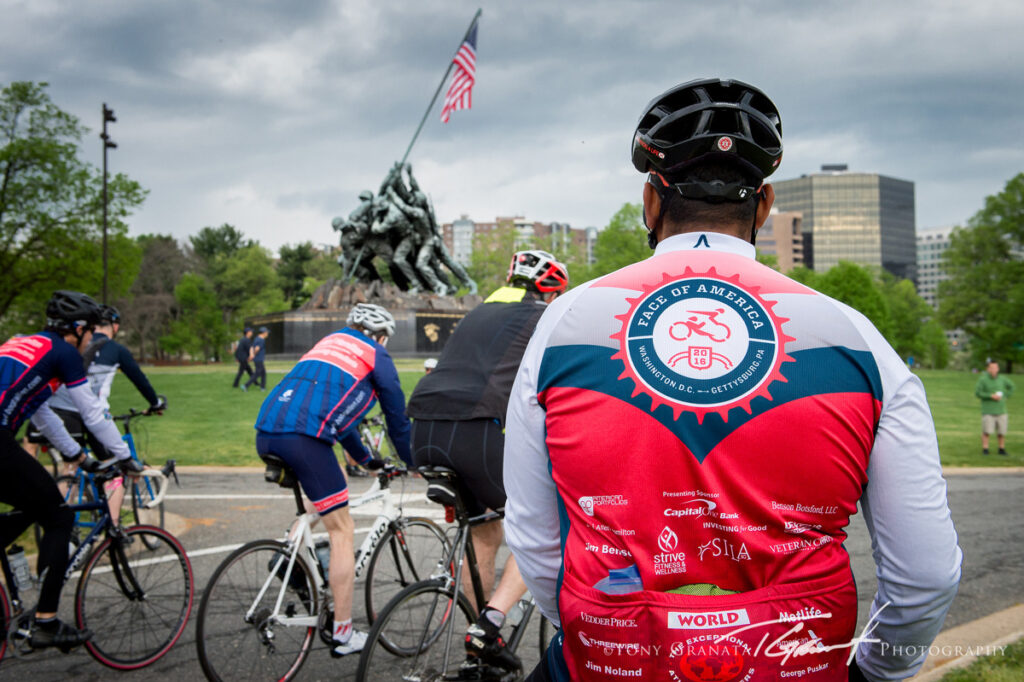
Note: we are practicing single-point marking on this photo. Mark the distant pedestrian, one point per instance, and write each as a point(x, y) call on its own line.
point(242, 355)
point(429, 364)
point(993, 390)
point(258, 356)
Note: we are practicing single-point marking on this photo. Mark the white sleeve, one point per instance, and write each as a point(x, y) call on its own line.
point(52, 426)
point(913, 541)
point(98, 420)
point(532, 528)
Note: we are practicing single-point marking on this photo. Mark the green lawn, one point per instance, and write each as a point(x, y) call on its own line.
point(1005, 667)
point(208, 422)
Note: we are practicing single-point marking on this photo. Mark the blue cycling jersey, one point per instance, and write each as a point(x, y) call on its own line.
point(333, 386)
point(31, 369)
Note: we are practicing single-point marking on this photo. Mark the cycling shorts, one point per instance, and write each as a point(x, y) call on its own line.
point(315, 465)
point(474, 448)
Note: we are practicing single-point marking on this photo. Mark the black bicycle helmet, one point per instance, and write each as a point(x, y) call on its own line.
point(70, 310)
point(110, 314)
point(709, 119)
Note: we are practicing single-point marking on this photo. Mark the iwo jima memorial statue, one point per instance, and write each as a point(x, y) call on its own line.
point(394, 230)
point(397, 229)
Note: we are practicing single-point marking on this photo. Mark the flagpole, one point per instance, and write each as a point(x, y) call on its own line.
point(451, 63)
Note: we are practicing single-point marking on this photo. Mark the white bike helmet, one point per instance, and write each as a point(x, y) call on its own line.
point(537, 270)
point(373, 318)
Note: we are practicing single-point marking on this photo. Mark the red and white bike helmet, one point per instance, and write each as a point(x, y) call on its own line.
point(538, 271)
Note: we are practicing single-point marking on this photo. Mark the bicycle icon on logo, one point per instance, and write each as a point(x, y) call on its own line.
point(701, 323)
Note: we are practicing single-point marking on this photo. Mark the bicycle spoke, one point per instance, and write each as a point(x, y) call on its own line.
point(232, 646)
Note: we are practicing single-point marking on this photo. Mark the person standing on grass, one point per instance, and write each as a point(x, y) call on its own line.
point(993, 389)
point(258, 356)
point(242, 355)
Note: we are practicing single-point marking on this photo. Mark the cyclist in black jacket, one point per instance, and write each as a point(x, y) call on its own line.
point(459, 411)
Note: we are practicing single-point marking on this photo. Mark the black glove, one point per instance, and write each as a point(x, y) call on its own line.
point(70, 458)
point(159, 407)
point(375, 463)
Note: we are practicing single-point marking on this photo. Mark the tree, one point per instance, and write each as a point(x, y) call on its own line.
point(198, 329)
point(492, 252)
point(909, 314)
point(291, 269)
point(984, 294)
point(622, 242)
point(212, 244)
point(148, 310)
point(855, 286)
point(51, 205)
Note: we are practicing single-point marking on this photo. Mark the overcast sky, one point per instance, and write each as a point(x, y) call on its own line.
point(273, 115)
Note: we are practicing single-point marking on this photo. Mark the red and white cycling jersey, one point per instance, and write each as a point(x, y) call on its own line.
point(696, 420)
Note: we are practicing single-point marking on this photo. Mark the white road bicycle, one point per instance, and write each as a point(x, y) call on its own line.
point(264, 603)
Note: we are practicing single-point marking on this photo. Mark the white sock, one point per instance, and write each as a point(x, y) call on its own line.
point(342, 630)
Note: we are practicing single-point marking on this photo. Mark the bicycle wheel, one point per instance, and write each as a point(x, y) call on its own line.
point(236, 636)
point(135, 600)
point(408, 552)
point(138, 494)
point(410, 637)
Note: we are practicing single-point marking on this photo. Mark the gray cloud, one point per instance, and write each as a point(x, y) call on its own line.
point(273, 116)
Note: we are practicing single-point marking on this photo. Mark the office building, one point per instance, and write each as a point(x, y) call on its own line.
point(931, 244)
point(782, 236)
point(865, 218)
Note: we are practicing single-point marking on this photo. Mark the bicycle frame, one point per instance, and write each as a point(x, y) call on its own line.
point(104, 524)
point(300, 538)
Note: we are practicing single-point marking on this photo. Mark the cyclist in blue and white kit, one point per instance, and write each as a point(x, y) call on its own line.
point(103, 357)
point(32, 367)
point(321, 401)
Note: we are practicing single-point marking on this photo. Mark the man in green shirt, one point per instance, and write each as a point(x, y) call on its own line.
point(993, 390)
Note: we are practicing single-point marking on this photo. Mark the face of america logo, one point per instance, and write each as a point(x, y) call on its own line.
point(701, 343)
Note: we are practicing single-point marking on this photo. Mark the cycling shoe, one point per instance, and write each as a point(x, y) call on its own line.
point(64, 637)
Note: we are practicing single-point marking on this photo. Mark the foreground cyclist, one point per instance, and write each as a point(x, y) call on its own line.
point(459, 411)
point(321, 401)
point(31, 368)
point(689, 436)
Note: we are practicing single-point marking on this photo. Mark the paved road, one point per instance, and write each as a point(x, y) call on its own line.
point(217, 511)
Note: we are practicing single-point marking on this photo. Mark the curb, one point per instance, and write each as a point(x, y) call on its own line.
point(995, 630)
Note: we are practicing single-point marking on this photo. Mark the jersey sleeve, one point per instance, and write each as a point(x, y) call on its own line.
point(532, 515)
point(392, 403)
point(52, 426)
point(98, 420)
point(913, 540)
point(134, 373)
point(353, 445)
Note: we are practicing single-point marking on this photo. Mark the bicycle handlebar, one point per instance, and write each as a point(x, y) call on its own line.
point(148, 412)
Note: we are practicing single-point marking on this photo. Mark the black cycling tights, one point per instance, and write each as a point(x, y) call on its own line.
point(475, 448)
point(25, 485)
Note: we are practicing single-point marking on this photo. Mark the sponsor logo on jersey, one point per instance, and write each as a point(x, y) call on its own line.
point(701, 343)
point(722, 547)
point(685, 620)
point(669, 561)
point(588, 502)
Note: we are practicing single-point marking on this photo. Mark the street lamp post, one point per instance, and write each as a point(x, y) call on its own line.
point(108, 117)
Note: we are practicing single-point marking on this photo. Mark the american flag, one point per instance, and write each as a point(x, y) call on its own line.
point(460, 92)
